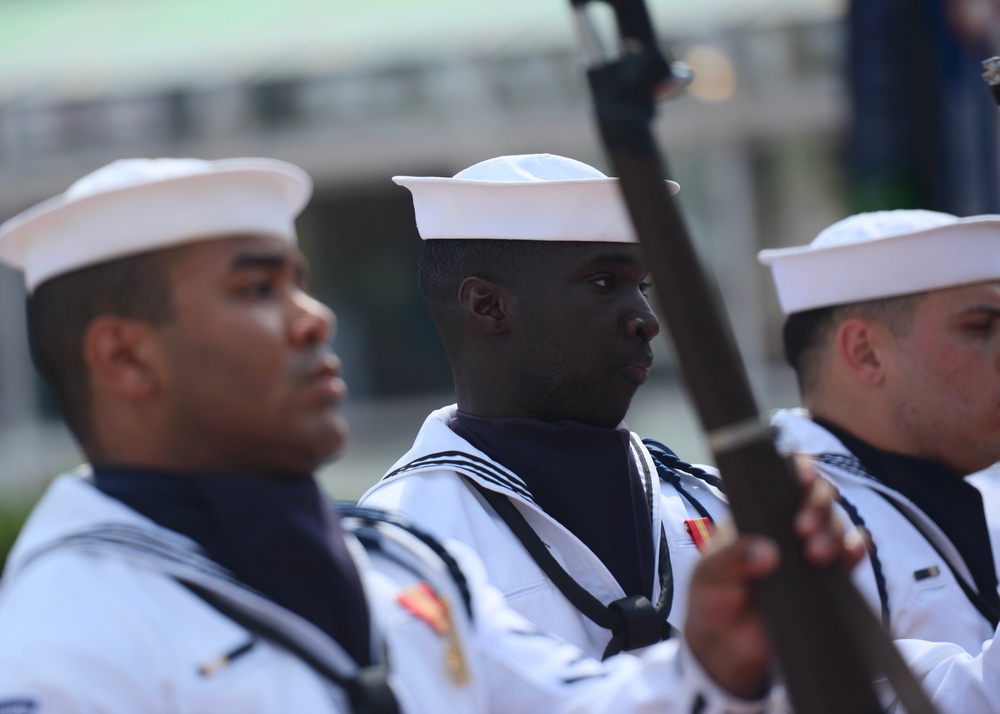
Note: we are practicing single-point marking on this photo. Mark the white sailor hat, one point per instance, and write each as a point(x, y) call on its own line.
point(138, 205)
point(884, 254)
point(540, 197)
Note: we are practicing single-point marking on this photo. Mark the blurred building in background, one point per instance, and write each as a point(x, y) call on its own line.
point(356, 95)
point(923, 132)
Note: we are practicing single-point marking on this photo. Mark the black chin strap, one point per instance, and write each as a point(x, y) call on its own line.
point(634, 621)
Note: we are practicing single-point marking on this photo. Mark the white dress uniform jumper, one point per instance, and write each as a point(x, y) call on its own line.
point(914, 570)
point(102, 610)
point(452, 489)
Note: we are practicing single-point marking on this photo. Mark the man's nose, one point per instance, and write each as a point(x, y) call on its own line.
point(641, 322)
point(313, 322)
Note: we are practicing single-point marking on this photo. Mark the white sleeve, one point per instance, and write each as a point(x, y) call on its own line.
point(958, 682)
point(67, 643)
point(528, 671)
point(96, 635)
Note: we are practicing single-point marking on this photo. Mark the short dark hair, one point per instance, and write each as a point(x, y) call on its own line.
point(60, 309)
point(445, 263)
point(805, 332)
point(802, 334)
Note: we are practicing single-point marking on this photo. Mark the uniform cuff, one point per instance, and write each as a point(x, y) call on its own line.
point(711, 698)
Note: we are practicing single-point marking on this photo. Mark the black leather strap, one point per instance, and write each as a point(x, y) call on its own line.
point(368, 689)
point(985, 608)
point(634, 621)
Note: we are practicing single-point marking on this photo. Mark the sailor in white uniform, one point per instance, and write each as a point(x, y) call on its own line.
point(194, 565)
point(535, 281)
point(893, 329)
point(102, 609)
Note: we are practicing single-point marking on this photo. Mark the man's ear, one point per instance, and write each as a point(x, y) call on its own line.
point(485, 304)
point(859, 349)
point(123, 356)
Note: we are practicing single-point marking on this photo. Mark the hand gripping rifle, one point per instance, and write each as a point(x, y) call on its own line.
point(829, 644)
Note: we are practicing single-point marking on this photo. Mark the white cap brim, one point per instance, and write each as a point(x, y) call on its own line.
point(589, 209)
point(208, 199)
point(961, 252)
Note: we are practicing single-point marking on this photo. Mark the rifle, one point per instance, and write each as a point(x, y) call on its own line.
point(829, 645)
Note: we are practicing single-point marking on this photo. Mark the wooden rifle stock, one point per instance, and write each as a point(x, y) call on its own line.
point(829, 644)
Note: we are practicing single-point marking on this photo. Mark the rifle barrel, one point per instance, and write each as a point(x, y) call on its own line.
point(820, 627)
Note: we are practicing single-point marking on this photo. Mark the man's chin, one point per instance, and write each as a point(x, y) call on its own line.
point(337, 443)
point(325, 443)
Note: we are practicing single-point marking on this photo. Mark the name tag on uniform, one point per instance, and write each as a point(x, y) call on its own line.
point(926, 573)
point(701, 530)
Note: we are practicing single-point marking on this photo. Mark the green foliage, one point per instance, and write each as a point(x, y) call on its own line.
point(11, 520)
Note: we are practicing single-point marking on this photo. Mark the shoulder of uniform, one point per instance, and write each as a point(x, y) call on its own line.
point(396, 537)
point(669, 465)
